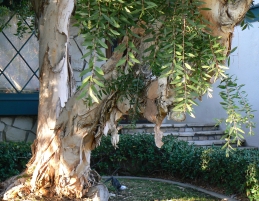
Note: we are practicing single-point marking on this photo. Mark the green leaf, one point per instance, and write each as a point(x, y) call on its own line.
point(131, 44)
point(92, 95)
point(98, 82)
point(131, 55)
point(223, 67)
point(85, 72)
point(124, 19)
point(190, 55)
point(114, 23)
point(102, 44)
point(135, 60)
point(99, 70)
point(86, 55)
point(150, 40)
point(121, 62)
point(81, 95)
point(192, 87)
point(114, 32)
point(233, 50)
point(127, 9)
point(107, 18)
point(102, 58)
point(150, 5)
point(86, 79)
point(205, 8)
point(188, 66)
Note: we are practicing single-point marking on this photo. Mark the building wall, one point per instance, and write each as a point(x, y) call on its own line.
point(18, 128)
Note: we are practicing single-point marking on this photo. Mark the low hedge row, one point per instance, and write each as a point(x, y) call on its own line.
point(13, 158)
point(137, 155)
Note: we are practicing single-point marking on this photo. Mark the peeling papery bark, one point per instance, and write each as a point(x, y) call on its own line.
point(68, 130)
point(223, 17)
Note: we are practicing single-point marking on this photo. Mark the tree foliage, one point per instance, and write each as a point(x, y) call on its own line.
point(174, 41)
point(239, 111)
point(178, 44)
point(23, 10)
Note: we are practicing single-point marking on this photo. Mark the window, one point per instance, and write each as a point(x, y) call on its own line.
point(19, 69)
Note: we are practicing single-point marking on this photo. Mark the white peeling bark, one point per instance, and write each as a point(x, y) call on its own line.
point(224, 16)
point(56, 79)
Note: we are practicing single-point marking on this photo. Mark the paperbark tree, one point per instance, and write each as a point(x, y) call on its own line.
point(69, 129)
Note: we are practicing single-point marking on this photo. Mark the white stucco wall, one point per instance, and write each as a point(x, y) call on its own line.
point(245, 65)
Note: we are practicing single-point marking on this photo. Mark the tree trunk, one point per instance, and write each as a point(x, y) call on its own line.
point(67, 129)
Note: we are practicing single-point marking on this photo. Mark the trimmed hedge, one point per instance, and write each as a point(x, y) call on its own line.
point(137, 155)
point(14, 157)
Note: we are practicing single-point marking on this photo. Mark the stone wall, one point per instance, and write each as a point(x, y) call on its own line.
point(18, 128)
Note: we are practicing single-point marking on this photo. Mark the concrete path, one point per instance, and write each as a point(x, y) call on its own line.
point(217, 195)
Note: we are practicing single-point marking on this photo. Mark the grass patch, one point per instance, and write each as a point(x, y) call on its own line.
point(140, 190)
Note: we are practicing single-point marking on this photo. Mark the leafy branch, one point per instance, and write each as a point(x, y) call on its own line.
point(239, 112)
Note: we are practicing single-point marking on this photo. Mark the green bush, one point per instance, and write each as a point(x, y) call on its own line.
point(137, 155)
point(14, 157)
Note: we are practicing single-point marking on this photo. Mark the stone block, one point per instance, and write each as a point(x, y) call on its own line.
point(201, 124)
point(211, 138)
point(77, 76)
point(138, 131)
point(149, 130)
point(190, 138)
point(183, 138)
point(195, 138)
point(218, 137)
point(186, 134)
point(205, 132)
point(197, 128)
point(209, 128)
point(15, 134)
point(7, 120)
point(171, 133)
point(34, 128)
point(24, 123)
point(77, 63)
point(2, 126)
point(31, 137)
point(179, 125)
point(188, 129)
point(169, 130)
point(203, 138)
point(73, 30)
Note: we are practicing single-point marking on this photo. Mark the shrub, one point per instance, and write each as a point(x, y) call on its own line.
point(14, 157)
point(137, 155)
